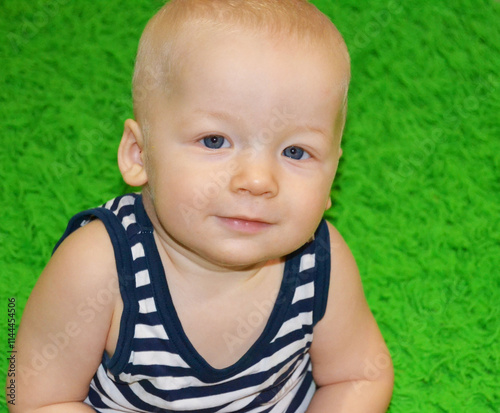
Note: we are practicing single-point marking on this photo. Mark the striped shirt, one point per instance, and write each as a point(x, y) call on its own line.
point(155, 368)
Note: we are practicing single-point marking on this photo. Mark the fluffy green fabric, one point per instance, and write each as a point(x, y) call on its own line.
point(416, 197)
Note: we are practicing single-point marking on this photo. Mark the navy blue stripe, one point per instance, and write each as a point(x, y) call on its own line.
point(157, 371)
point(323, 264)
point(303, 306)
point(150, 319)
point(286, 340)
point(114, 204)
point(124, 211)
point(95, 399)
point(139, 263)
point(143, 292)
point(150, 344)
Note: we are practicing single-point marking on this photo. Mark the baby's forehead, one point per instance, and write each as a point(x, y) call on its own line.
point(170, 36)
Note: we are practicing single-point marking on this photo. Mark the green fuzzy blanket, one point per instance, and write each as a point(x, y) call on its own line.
point(417, 195)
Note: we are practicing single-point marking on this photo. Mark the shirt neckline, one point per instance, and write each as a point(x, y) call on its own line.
point(172, 323)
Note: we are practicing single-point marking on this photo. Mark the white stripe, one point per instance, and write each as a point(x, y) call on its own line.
point(142, 278)
point(303, 292)
point(146, 331)
point(118, 402)
point(293, 324)
point(147, 306)
point(281, 355)
point(137, 251)
point(109, 204)
point(167, 383)
point(249, 394)
point(125, 201)
point(128, 220)
point(162, 358)
point(151, 398)
point(307, 261)
point(84, 222)
point(307, 399)
point(285, 402)
point(238, 405)
point(292, 386)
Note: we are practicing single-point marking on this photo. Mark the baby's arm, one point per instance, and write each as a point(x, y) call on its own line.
point(351, 364)
point(65, 324)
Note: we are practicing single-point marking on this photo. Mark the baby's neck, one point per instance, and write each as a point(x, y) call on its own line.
point(209, 278)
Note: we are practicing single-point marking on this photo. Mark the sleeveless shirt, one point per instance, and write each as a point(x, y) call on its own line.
point(155, 368)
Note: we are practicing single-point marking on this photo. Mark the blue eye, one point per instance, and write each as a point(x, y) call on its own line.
point(294, 152)
point(215, 142)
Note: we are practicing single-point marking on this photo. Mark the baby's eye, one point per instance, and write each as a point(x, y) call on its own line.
point(295, 152)
point(215, 142)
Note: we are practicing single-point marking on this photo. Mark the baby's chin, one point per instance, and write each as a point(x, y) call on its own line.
point(237, 258)
point(247, 251)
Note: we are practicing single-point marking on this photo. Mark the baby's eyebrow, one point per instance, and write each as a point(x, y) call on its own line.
point(298, 128)
point(317, 130)
point(217, 114)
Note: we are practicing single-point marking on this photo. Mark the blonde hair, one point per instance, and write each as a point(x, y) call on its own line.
point(160, 52)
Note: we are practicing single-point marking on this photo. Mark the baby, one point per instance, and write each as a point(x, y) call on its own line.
point(219, 288)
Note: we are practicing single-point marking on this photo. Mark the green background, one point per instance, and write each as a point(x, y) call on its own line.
point(416, 197)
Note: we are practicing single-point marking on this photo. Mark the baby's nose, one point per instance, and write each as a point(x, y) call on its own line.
point(256, 176)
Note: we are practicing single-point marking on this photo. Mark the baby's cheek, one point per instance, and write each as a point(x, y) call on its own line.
point(184, 199)
point(311, 206)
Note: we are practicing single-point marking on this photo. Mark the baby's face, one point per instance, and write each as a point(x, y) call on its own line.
point(242, 152)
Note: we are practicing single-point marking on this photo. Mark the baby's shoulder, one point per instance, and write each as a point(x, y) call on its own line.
point(340, 252)
point(85, 256)
point(92, 236)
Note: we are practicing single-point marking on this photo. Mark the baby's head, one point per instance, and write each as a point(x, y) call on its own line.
point(165, 42)
point(239, 111)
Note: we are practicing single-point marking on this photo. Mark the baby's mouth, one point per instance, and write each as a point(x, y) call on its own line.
point(245, 224)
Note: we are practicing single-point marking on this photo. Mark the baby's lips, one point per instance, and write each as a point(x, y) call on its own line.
point(245, 224)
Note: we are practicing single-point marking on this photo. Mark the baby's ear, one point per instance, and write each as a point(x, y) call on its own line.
point(328, 204)
point(130, 155)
